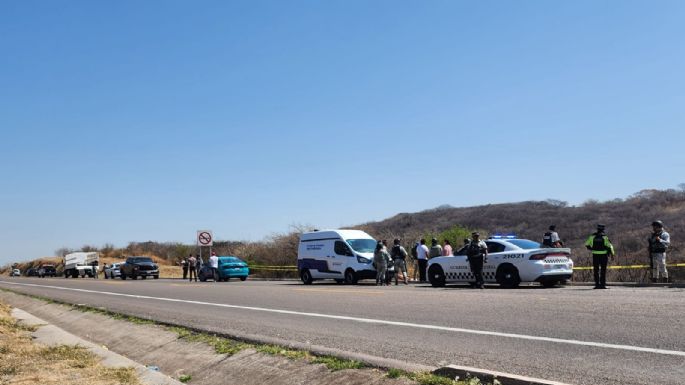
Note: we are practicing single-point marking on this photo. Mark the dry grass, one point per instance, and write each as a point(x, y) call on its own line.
point(24, 362)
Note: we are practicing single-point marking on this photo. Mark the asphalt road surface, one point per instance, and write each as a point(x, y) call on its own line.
point(575, 335)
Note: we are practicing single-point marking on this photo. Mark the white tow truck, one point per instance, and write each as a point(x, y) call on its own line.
point(80, 264)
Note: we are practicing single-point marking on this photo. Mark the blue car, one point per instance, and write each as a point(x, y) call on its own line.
point(229, 267)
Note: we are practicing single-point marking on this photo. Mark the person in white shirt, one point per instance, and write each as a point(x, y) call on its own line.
point(214, 264)
point(422, 258)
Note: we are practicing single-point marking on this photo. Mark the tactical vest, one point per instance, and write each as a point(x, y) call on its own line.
point(654, 246)
point(598, 243)
point(474, 250)
point(547, 239)
point(397, 252)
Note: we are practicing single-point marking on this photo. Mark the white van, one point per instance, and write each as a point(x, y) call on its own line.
point(342, 255)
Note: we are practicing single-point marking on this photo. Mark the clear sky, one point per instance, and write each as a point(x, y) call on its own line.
point(148, 120)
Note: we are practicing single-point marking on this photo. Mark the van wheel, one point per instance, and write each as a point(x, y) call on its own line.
point(306, 277)
point(436, 276)
point(508, 276)
point(350, 277)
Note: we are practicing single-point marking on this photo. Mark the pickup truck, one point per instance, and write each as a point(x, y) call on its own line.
point(47, 271)
point(135, 267)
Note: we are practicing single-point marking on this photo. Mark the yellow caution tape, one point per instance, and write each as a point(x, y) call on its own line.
point(628, 267)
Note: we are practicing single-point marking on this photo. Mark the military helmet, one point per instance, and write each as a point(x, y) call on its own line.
point(658, 223)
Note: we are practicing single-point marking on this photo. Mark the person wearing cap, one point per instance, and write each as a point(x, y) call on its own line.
point(601, 248)
point(380, 259)
point(214, 265)
point(399, 257)
point(422, 259)
point(435, 250)
point(551, 238)
point(477, 255)
point(658, 242)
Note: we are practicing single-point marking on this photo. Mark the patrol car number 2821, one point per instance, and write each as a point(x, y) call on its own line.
point(510, 262)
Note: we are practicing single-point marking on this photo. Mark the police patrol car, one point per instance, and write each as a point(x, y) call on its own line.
point(510, 261)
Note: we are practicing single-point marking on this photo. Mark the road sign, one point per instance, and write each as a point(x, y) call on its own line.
point(205, 238)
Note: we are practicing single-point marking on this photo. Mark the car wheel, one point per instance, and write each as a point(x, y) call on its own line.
point(563, 282)
point(123, 276)
point(134, 276)
point(155, 276)
point(203, 279)
point(508, 276)
point(350, 277)
point(243, 278)
point(339, 281)
point(144, 277)
point(306, 277)
point(436, 276)
point(549, 284)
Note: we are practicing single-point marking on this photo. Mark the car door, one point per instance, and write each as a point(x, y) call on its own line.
point(495, 253)
point(343, 257)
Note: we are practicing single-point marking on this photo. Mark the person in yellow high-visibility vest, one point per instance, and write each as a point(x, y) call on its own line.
point(598, 243)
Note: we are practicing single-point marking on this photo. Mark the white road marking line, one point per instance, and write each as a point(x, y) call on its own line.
point(376, 321)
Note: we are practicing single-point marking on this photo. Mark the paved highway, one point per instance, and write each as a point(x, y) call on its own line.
point(575, 335)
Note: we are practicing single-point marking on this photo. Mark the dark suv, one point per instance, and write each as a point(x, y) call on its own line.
point(135, 267)
point(47, 271)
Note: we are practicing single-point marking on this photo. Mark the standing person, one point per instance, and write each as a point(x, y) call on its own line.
point(94, 269)
point(399, 256)
point(214, 264)
point(551, 238)
point(435, 250)
point(192, 264)
point(422, 259)
point(462, 250)
point(184, 266)
point(380, 259)
point(414, 259)
point(477, 255)
point(447, 249)
point(658, 243)
point(598, 243)
point(198, 264)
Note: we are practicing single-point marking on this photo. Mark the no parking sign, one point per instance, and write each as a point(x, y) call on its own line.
point(205, 238)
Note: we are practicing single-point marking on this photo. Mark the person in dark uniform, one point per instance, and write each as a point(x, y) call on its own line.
point(601, 248)
point(184, 266)
point(477, 255)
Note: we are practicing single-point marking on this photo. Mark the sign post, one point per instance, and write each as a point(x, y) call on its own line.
point(205, 238)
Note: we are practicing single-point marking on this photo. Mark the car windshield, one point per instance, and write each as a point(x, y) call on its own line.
point(362, 245)
point(524, 244)
point(230, 260)
point(141, 259)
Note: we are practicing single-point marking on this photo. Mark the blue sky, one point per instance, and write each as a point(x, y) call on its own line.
point(133, 121)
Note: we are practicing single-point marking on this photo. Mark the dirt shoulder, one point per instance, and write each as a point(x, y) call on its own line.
point(26, 362)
